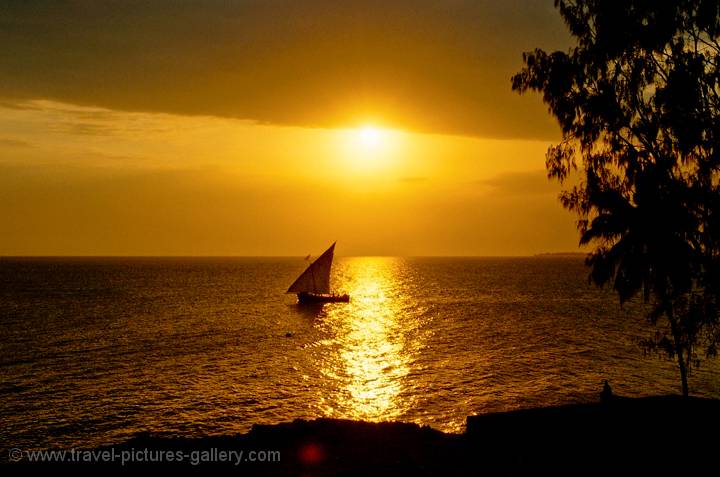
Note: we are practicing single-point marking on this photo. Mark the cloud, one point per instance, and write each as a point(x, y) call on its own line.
point(420, 64)
point(5, 142)
point(532, 183)
point(413, 179)
point(71, 120)
point(62, 209)
point(20, 105)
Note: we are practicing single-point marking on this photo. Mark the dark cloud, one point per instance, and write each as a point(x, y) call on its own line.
point(431, 66)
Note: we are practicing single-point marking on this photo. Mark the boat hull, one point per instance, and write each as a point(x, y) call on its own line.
point(322, 298)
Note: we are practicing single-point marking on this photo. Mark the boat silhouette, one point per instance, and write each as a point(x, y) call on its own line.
point(313, 285)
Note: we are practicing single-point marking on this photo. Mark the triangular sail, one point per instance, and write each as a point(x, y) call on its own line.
point(316, 279)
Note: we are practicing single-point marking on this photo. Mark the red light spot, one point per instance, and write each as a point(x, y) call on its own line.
point(311, 454)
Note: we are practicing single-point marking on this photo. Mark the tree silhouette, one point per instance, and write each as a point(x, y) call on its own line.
point(638, 103)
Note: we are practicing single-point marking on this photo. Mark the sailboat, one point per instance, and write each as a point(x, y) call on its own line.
point(313, 285)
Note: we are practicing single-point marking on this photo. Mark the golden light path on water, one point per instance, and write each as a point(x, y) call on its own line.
point(371, 354)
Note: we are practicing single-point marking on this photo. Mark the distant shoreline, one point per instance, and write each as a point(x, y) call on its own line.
point(192, 257)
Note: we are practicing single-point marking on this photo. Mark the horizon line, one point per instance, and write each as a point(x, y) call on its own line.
point(540, 254)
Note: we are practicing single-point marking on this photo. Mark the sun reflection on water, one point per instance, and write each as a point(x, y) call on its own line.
point(370, 356)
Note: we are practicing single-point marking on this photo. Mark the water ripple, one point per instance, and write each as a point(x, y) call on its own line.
point(93, 351)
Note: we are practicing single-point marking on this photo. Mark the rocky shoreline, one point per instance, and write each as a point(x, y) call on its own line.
point(659, 435)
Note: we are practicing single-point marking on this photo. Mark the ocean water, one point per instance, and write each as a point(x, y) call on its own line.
point(93, 351)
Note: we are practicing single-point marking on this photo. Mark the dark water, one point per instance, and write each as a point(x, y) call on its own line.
point(93, 351)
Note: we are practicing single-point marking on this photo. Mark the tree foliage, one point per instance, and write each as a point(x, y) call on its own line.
point(638, 102)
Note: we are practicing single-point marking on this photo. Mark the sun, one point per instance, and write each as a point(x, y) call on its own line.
point(369, 137)
point(369, 148)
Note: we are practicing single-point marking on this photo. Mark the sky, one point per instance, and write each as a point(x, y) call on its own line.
point(274, 128)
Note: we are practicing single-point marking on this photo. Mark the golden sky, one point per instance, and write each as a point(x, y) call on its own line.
point(274, 128)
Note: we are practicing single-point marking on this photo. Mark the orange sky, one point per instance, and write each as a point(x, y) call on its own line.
point(274, 128)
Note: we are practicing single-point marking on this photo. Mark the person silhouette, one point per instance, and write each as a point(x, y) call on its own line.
point(606, 394)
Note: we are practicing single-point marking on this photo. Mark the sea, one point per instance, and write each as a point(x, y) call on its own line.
point(96, 350)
